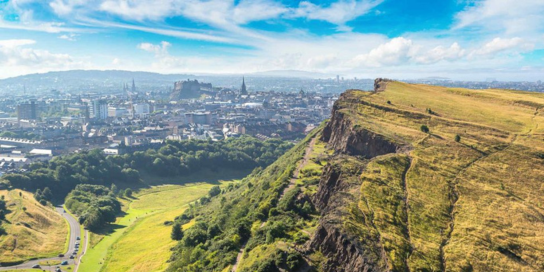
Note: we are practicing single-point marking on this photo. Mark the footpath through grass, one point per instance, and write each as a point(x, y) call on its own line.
point(140, 240)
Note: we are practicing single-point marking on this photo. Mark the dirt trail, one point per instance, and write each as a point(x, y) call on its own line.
point(291, 185)
point(301, 165)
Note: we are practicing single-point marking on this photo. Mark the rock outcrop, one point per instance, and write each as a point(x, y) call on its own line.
point(347, 138)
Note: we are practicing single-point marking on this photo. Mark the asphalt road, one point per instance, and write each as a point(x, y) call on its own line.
point(75, 231)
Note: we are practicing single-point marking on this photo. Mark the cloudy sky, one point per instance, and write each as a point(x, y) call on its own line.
point(460, 39)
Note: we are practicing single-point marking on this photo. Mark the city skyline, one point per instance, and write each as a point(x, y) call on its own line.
point(468, 40)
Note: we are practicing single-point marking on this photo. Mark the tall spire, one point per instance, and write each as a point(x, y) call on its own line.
point(133, 86)
point(244, 90)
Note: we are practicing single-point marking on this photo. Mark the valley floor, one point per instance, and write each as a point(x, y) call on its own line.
point(140, 240)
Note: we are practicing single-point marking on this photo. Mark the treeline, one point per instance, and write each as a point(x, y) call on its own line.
point(62, 174)
point(251, 213)
point(187, 157)
point(96, 205)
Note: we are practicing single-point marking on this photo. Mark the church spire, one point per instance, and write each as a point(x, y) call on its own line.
point(244, 90)
point(133, 86)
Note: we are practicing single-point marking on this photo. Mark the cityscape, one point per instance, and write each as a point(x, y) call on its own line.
point(271, 136)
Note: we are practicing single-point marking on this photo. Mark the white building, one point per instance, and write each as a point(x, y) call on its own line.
point(141, 110)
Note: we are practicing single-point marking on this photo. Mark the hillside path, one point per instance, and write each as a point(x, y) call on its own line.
point(292, 184)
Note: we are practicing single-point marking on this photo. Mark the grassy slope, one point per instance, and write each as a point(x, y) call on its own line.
point(476, 204)
point(140, 240)
point(38, 232)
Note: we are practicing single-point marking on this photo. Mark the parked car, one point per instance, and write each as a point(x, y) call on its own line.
point(77, 238)
point(36, 266)
point(64, 263)
point(72, 256)
point(61, 255)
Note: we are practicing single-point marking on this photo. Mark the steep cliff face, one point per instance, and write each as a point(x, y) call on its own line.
point(344, 252)
point(345, 137)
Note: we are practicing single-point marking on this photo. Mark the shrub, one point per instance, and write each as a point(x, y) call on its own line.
point(215, 190)
point(424, 129)
point(177, 232)
point(128, 192)
point(457, 138)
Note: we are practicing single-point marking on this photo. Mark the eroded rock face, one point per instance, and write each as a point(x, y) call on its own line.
point(380, 83)
point(346, 138)
point(343, 254)
point(344, 251)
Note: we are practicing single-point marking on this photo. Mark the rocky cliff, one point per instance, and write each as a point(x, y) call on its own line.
point(404, 178)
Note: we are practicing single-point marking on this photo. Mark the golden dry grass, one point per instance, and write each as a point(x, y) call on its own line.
point(37, 232)
point(476, 205)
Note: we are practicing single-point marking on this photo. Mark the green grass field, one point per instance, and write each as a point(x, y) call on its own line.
point(140, 240)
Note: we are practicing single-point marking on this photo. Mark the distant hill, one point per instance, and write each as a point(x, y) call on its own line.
point(113, 80)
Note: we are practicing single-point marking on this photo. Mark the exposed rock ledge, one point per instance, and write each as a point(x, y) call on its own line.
point(342, 136)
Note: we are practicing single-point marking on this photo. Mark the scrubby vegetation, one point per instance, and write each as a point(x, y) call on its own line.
point(3, 211)
point(96, 205)
point(248, 215)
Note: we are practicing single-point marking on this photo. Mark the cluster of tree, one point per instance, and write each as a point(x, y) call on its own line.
point(187, 157)
point(3, 212)
point(62, 174)
point(21, 135)
point(95, 205)
point(227, 219)
point(43, 196)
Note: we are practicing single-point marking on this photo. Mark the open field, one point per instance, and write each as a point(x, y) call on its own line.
point(140, 240)
point(37, 232)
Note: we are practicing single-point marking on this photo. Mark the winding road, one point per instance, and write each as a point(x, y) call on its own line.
point(75, 231)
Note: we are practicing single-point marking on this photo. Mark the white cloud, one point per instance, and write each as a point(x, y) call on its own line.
point(395, 52)
point(440, 53)
point(69, 37)
point(337, 13)
point(499, 45)
point(510, 16)
point(16, 58)
point(15, 43)
point(158, 49)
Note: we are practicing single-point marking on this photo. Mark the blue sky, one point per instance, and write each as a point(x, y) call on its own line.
point(460, 39)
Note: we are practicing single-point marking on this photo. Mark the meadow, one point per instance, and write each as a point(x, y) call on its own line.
point(140, 240)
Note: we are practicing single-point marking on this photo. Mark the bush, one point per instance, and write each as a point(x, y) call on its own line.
point(215, 190)
point(457, 138)
point(424, 129)
point(177, 232)
point(128, 192)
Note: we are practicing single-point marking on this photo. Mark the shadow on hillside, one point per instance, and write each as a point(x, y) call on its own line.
point(109, 229)
point(207, 176)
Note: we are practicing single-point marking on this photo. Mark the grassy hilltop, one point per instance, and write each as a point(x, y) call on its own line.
point(410, 178)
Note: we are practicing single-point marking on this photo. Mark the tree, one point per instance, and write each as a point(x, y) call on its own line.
point(177, 232)
point(128, 192)
point(215, 190)
point(457, 138)
point(424, 129)
point(46, 193)
point(113, 188)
